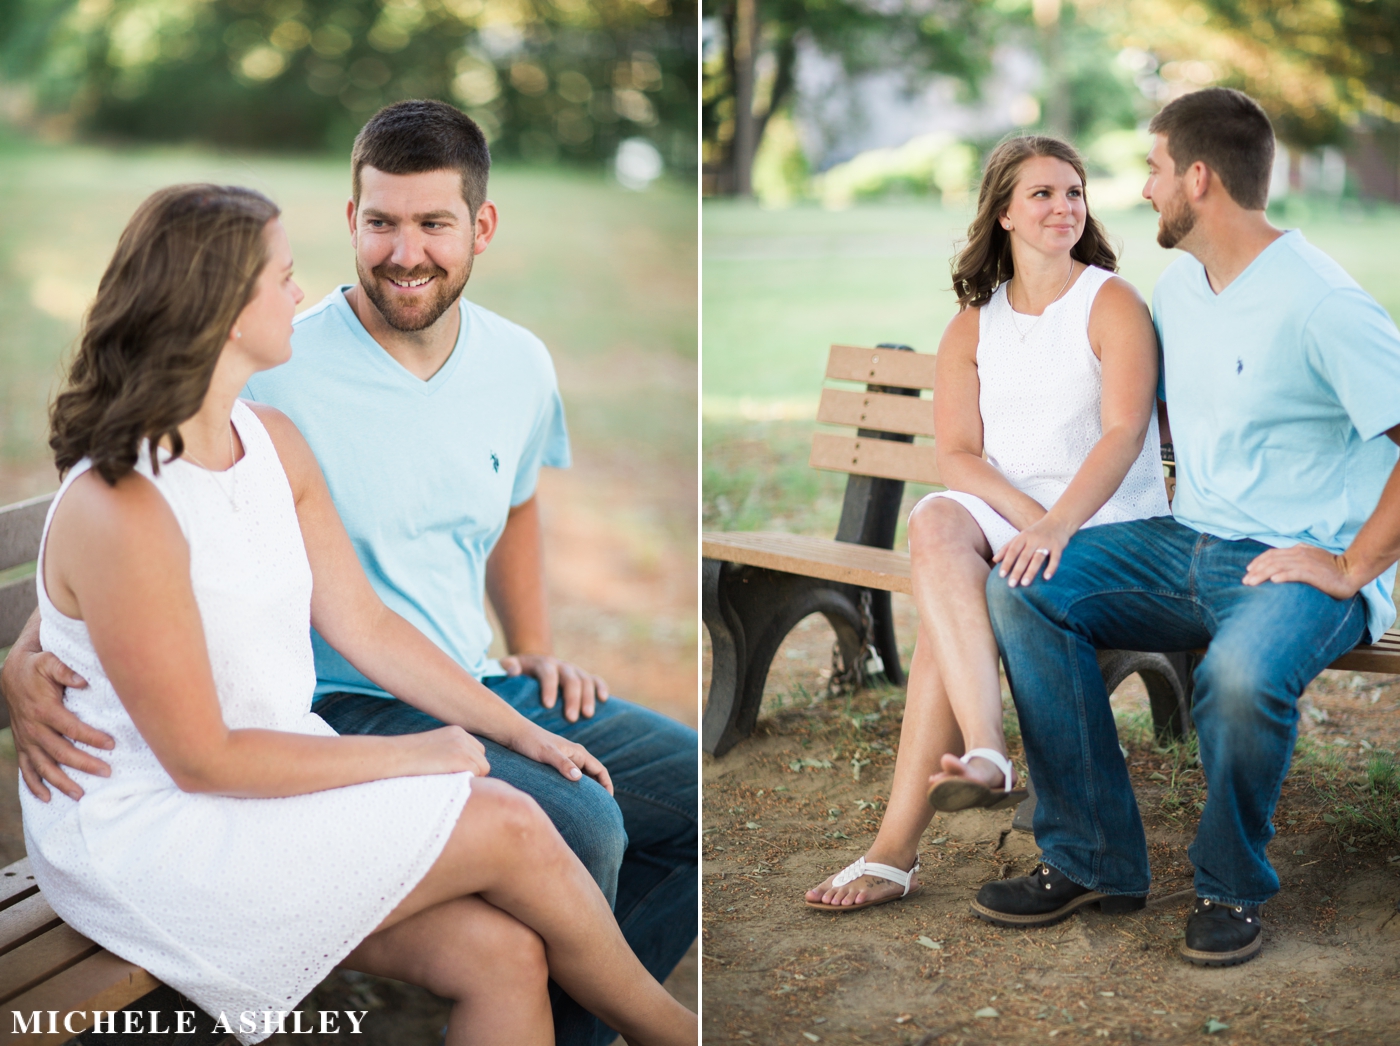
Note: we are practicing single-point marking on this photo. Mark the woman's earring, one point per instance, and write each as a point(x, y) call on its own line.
point(238, 334)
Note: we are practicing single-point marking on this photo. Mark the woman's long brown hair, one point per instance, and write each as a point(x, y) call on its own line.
point(984, 263)
point(185, 266)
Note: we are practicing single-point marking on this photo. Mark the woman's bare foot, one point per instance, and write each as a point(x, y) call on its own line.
point(865, 888)
point(980, 771)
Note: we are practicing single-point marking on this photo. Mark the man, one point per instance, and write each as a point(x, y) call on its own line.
point(431, 417)
point(1281, 376)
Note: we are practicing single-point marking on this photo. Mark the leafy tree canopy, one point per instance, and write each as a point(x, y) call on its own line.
point(544, 78)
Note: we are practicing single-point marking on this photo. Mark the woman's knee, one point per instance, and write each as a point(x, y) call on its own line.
point(938, 526)
point(500, 821)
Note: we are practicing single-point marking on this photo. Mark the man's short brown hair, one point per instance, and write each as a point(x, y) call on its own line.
point(1227, 131)
point(416, 136)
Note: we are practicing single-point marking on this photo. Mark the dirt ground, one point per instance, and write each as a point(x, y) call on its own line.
point(785, 809)
point(622, 583)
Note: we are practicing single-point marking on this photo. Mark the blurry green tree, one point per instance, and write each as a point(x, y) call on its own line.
point(546, 79)
point(1319, 67)
point(748, 72)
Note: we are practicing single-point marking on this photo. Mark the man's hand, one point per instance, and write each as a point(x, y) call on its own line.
point(581, 689)
point(1325, 571)
point(32, 681)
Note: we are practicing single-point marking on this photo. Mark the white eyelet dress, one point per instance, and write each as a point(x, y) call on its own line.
point(1041, 402)
point(241, 904)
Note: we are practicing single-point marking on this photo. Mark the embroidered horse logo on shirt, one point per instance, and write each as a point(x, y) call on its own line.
point(495, 462)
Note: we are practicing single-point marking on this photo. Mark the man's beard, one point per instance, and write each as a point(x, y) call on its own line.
point(393, 310)
point(1176, 222)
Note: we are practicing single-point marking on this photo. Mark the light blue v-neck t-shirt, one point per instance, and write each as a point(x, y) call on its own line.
point(1280, 390)
point(423, 473)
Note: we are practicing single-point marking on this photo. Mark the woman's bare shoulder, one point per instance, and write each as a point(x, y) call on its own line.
point(291, 446)
point(98, 525)
point(1118, 294)
point(960, 336)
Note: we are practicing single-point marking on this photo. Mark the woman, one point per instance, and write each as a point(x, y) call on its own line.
point(240, 850)
point(1045, 422)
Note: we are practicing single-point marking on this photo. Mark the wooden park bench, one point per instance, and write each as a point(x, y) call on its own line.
point(757, 586)
point(45, 965)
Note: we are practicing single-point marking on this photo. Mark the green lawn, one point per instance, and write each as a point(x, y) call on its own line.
point(780, 286)
point(605, 276)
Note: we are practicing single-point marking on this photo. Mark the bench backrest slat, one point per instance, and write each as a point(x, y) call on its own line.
point(18, 599)
point(21, 526)
point(876, 410)
point(906, 370)
point(886, 459)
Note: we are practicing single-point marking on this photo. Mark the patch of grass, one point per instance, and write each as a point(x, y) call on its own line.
point(1135, 727)
point(1367, 807)
point(1183, 780)
point(756, 477)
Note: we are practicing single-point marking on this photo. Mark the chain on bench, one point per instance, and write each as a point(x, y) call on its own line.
point(868, 664)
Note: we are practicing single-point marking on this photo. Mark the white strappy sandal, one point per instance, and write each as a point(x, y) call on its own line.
point(958, 793)
point(860, 867)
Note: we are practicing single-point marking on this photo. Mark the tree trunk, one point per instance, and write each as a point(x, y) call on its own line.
point(1057, 102)
point(745, 47)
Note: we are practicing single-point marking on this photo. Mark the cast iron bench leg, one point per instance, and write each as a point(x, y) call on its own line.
point(748, 612)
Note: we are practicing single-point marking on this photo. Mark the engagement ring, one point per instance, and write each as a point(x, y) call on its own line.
point(1042, 551)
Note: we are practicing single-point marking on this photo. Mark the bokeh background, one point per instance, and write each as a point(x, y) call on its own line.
point(842, 142)
point(592, 115)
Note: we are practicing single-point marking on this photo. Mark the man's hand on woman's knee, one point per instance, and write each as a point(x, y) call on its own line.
point(32, 682)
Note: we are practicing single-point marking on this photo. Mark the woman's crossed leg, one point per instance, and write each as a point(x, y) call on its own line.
point(953, 679)
point(506, 906)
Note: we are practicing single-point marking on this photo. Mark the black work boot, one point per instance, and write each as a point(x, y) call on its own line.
point(1044, 898)
point(1222, 934)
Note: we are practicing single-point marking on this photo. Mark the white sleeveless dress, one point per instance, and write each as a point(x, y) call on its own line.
point(1041, 401)
point(241, 904)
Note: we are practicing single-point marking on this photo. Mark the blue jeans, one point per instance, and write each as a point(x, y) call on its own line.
point(638, 844)
point(1154, 584)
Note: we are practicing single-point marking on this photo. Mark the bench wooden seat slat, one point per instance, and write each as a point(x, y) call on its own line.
point(810, 556)
point(884, 411)
point(21, 525)
point(99, 982)
point(886, 459)
point(879, 568)
point(23, 921)
point(905, 370)
point(34, 962)
point(16, 883)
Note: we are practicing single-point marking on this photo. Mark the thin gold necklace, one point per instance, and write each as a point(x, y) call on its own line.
point(232, 492)
point(1052, 301)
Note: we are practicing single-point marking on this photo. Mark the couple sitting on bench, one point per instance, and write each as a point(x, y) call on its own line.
point(212, 826)
point(1282, 378)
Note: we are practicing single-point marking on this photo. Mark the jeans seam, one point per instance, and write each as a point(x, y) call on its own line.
point(1087, 764)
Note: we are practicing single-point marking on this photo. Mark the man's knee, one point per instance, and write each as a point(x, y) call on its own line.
point(1235, 687)
point(1007, 604)
point(593, 828)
